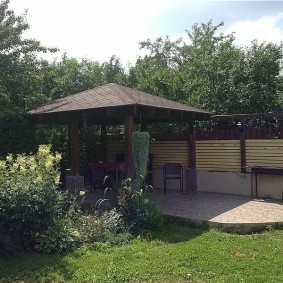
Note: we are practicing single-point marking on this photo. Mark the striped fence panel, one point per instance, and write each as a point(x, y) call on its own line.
point(218, 155)
point(212, 155)
point(264, 153)
point(168, 152)
point(163, 152)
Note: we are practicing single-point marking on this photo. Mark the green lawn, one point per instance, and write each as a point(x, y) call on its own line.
point(177, 254)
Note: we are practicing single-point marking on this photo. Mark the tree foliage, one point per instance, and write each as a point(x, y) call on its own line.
point(208, 70)
point(205, 69)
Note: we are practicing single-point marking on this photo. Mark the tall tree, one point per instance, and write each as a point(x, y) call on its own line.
point(19, 78)
point(113, 71)
point(208, 70)
point(158, 72)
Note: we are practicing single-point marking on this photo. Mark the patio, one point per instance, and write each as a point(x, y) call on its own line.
point(227, 212)
point(230, 213)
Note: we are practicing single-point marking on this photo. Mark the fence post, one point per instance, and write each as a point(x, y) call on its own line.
point(192, 146)
point(243, 146)
point(191, 173)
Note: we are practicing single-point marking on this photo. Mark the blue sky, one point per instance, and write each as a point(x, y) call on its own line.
point(98, 29)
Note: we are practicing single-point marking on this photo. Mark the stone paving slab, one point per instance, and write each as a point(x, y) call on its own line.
point(220, 209)
point(231, 213)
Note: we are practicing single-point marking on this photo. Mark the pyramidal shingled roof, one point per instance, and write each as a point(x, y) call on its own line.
point(110, 95)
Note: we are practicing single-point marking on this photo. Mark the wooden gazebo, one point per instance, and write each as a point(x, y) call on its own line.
point(109, 105)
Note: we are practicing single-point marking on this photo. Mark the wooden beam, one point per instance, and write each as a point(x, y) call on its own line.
point(103, 142)
point(192, 146)
point(243, 146)
point(247, 116)
point(74, 143)
point(129, 128)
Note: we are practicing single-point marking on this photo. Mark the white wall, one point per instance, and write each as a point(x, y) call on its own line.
point(240, 183)
point(226, 182)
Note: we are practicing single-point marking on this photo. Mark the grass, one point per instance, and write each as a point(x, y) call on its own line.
point(179, 253)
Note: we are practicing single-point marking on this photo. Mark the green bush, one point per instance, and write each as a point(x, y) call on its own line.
point(139, 213)
point(58, 238)
point(113, 222)
point(149, 217)
point(90, 228)
point(34, 214)
point(30, 202)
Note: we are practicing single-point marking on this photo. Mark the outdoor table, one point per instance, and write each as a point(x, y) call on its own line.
point(116, 168)
point(263, 170)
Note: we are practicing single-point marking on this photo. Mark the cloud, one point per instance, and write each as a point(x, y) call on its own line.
point(97, 29)
point(92, 29)
point(264, 29)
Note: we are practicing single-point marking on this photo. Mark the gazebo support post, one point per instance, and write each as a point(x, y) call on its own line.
point(129, 128)
point(192, 146)
point(74, 138)
point(75, 181)
point(103, 142)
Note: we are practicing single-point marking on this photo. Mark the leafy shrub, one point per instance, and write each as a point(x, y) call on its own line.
point(29, 199)
point(58, 238)
point(34, 214)
point(106, 228)
point(139, 213)
point(90, 228)
point(149, 217)
point(127, 202)
point(113, 221)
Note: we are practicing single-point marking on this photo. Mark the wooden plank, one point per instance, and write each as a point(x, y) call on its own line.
point(264, 160)
point(265, 164)
point(265, 141)
point(221, 169)
point(217, 141)
point(264, 152)
point(198, 148)
point(264, 145)
point(223, 154)
point(267, 158)
point(218, 169)
point(221, 164)
point(203, 159)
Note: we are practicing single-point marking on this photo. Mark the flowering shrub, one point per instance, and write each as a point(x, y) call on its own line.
point(29, 199)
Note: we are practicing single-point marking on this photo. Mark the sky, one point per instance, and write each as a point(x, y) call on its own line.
point(98, 29)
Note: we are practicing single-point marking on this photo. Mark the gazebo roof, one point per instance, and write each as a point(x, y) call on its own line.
point(113, 96)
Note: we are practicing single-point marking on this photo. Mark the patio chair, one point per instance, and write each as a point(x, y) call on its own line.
point(173, 171)
point(97, 178)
